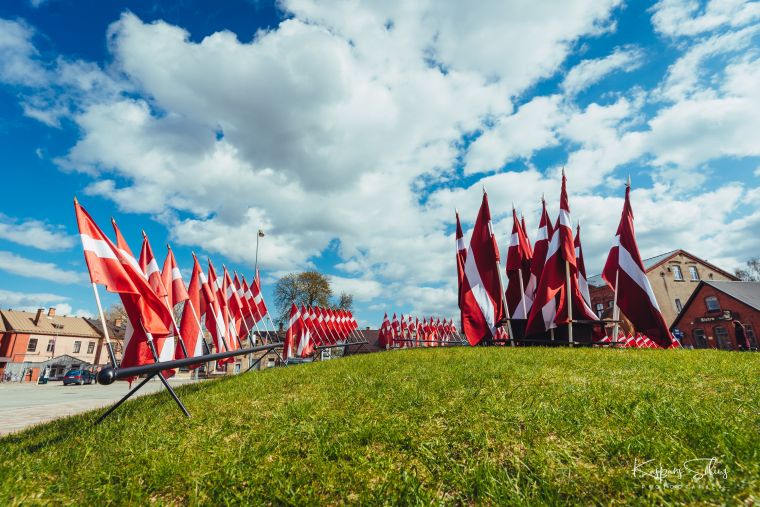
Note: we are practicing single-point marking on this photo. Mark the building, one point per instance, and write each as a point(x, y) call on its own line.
point(31, 341)
point(709, 315)
point(673, 276)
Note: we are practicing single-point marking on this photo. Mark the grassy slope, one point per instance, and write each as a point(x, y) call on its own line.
point(457, 425)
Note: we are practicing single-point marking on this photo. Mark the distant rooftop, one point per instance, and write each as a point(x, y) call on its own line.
point(746, 292)
point(42, 322)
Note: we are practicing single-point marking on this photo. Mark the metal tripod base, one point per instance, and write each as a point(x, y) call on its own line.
point(137, 388)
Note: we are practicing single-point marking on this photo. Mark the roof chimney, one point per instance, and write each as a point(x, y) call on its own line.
point(38, 316)
point(51, 312)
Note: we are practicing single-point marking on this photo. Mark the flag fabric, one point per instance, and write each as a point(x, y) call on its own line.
point(216, 284)
point(461, 258)
point(189, 325)
point(172, 280)
point(538, 259)
point(305, 346)
point(634, 292)
point(525, 232)
point(258, 297)
point(293, 333)
point(482, 301)
point(395, 331)
point(560, 265)
point(582, 278)
point(519, 301)
point(109, 266)
point(383, 338)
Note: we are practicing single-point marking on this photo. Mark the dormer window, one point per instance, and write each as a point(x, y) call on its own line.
point(712, 304)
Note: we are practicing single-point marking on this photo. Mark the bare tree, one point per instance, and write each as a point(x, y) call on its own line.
point(346, 301)
point(751, 273)
point(115, 311)
point(309, 288)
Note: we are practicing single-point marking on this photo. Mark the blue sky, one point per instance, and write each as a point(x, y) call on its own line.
point(349, 132)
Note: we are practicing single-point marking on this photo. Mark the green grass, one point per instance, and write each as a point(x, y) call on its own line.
point(446, 426)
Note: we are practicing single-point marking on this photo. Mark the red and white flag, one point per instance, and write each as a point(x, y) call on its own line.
point(305, 343)
point(482, 301)
point(525, 232)
point(560, 260)
point(293, 333)
point(109, 266)
point(538, 260)
point(216, 284)
point(519, 301)
point(461, 259)
point(384, 339)
point(189, 325)
point(395, 331)
point(582, 279)
point(172, 280)
point(634, 292)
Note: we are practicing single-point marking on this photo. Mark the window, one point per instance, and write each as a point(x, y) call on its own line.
point(610, 303)
point(693, 273)
point(700, 341)
point(91, 347)
point(32, 345)
point(51, 345)
point(721, 338)
point(599, 309)
point(712, 304)
point(677, 275)
point(679, 306)
point(77, 347)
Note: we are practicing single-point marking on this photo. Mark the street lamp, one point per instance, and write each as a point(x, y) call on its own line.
point(256, 263)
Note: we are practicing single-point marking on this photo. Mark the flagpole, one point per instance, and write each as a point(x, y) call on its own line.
point(522, 291)
point(111, 355)
point(569, 303)
point(615, 310)
point(506, 308)
point(176, 327)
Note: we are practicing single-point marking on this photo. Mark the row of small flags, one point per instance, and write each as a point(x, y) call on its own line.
point(405, 333)
point(546, 283)
point(226, 305)
point(635, 342)
point(313, 327)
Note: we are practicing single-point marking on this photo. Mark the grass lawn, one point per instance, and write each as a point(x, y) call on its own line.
point(452, 426)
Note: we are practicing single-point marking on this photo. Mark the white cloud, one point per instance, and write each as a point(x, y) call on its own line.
point(685, 18)
point(531, 128)
point(18, 56)
point(28, 301)
point(35, 233)
point(589, 72)
point(685, 76)
point(362, 290)
point(21, 266)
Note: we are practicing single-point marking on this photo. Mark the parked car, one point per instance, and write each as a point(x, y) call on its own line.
point(79, 377)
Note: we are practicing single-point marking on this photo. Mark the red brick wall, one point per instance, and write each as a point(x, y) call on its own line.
point(601, 295)
point(687, 323)
point(13, 345)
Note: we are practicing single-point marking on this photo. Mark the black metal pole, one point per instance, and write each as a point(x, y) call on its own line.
point(164, 381)
point(109, 375)
point(125, 398)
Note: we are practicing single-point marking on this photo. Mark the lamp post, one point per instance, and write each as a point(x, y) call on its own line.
point(256, 263)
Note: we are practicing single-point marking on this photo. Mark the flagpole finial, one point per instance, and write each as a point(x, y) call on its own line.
point(628, 183)
point(144, 235)
point(484, 189)
point(168, 246)
point(76, 201)
point(563, 171)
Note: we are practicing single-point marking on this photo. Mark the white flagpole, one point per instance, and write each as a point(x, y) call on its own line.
point(506, 308)
point(569, 303)
point(111, 355)
point(615, 310)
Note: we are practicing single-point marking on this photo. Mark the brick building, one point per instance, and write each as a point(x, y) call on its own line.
point(31, 342)
point(707, 318)
point(673, 276)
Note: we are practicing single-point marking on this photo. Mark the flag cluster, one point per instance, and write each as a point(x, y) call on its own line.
point(412, 332)
point(224, 304)
point(313, 327)
point(546, 284)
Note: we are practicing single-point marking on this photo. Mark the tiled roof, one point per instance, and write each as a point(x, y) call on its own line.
point(746, 292)
point(23, 322)
point(649, 263)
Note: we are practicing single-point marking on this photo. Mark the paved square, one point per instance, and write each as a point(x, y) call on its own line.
point(24, 405)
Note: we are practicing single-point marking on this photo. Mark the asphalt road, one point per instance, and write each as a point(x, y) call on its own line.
point(24, 405)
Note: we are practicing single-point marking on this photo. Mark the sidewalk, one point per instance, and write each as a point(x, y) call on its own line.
point(23, 405)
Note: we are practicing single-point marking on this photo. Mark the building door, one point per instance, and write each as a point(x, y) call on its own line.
point(700, 341)
point(721, 338)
